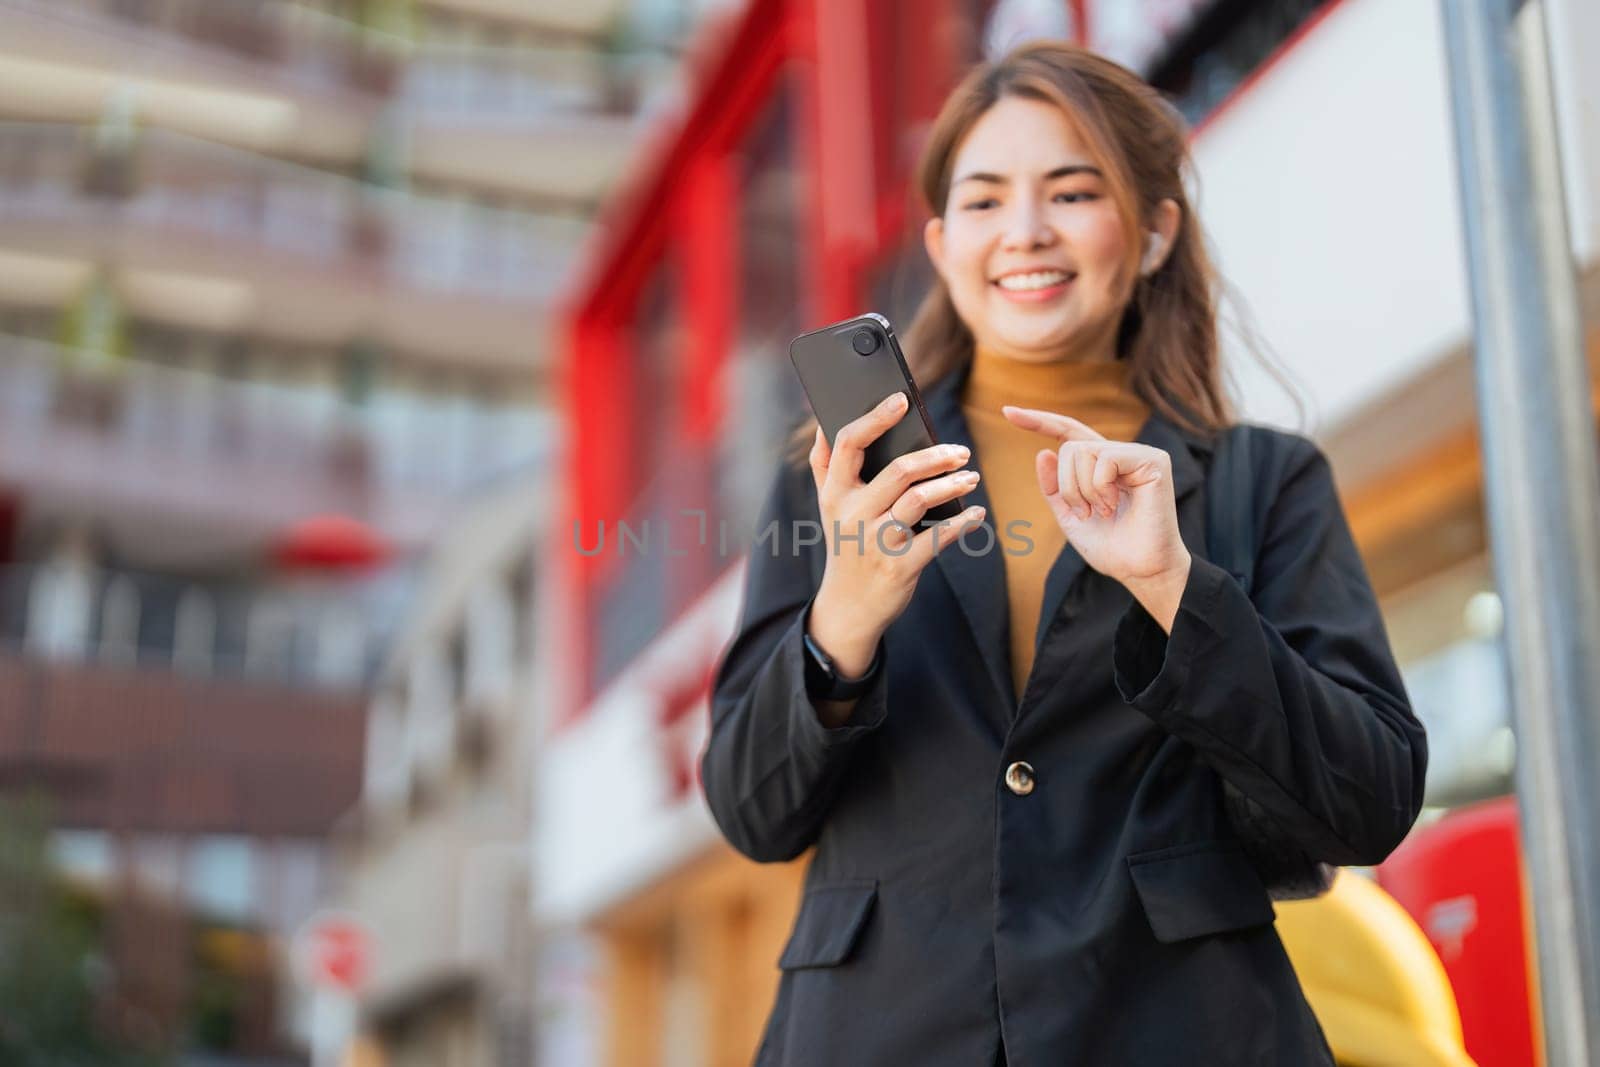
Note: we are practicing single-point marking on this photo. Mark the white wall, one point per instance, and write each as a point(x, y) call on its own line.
point(1574, 31)
point(1329, 191)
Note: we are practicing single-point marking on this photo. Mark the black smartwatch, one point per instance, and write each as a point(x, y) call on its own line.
point(822, 678)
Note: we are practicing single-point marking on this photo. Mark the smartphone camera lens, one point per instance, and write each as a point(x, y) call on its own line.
point(865, 342)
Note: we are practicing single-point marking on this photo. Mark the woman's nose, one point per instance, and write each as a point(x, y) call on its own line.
point(1025, 227)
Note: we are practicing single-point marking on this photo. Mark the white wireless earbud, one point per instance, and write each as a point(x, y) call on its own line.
point(1153, 247)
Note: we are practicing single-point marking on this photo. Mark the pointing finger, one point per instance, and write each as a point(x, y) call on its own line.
point(1061, 427)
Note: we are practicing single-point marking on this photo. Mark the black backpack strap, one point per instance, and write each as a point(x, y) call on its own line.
point(1233, 529)
point(1232, 524)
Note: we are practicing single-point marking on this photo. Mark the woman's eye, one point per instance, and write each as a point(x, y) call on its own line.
point(979, 205)
point(1075, 198)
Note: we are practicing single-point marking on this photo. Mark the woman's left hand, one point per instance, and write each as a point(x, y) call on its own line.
point(1113, 500)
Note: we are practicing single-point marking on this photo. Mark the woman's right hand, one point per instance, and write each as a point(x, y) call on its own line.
point(868, 582)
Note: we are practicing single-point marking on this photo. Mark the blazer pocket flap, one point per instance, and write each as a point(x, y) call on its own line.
point(830, 920)
point(1203, 888)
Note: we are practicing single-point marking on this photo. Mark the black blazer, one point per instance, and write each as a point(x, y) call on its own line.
point(1107, 917)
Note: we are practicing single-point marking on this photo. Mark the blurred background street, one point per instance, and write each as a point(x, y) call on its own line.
point(331, 329)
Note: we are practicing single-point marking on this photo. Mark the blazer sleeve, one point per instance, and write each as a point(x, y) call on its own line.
point(1291, 693)
point(771, 769)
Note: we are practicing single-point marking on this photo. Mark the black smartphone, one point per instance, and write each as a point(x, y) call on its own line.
point(846, 370)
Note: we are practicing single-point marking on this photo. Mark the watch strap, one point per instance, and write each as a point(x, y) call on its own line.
point(823, 681)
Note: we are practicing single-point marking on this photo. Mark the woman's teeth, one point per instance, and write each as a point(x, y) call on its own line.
point(1042, 279)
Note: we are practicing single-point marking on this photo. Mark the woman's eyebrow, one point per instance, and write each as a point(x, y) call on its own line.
point(1059, 172)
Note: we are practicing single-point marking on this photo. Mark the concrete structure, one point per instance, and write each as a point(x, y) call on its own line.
point(434, 857)
point(275, 294)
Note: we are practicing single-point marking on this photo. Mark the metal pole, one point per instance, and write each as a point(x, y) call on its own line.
point(1542, 487)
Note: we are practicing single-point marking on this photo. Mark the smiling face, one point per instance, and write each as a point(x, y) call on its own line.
point(1032, 245)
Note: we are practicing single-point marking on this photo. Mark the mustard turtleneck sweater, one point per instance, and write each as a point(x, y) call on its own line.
point(1097, 394)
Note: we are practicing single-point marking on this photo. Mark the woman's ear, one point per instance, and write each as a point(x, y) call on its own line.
point(933, 241)
point(1168, 218)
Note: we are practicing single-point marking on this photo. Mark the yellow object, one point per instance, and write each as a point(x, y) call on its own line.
point(1374, 981)
point(363, 1051)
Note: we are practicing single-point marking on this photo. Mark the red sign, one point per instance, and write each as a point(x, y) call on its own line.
point(1461, 879)
point(335, 952)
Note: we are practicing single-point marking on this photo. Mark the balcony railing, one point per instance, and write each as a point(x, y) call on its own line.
point(83, 614)
point(156, 751)
point(240, 437)
point(179, 185)
point(322, 49)
point(494, 82)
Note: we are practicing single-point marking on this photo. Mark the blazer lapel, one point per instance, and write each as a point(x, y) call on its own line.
point(978, 580)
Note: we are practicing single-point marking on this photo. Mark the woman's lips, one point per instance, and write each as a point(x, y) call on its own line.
point(1034, 296)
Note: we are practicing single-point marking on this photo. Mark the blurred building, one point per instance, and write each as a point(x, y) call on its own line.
point(434, 859)
point(1322, 138)
point(276, 286)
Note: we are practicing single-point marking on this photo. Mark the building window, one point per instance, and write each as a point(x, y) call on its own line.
point(490, 631)
point(220, 880)
point(83, 855)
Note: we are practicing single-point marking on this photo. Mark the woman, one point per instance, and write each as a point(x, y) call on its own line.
point(1010, 762)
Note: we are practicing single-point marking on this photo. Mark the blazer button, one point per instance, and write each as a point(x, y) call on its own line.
point(1019, 778)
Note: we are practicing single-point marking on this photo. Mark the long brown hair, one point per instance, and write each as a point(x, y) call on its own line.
point(1168, 332)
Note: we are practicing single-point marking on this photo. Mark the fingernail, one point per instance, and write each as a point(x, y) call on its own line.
point(969, 476)
point(961, 451)
point(893, 400)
